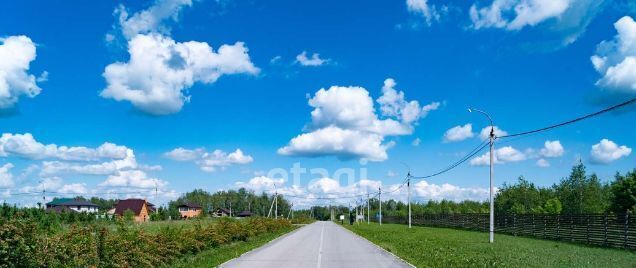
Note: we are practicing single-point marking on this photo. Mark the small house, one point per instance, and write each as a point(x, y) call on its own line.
point(77, 205)
point(189, 210)
point(221, 212)
point(140, 208)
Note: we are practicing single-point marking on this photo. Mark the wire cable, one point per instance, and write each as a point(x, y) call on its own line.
point(472, 153)
point(632, 101)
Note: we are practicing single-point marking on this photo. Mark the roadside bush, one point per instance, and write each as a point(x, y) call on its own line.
point(23, 244)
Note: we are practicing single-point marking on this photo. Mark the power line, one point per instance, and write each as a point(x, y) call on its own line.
point(472, 153)
point(571, 121)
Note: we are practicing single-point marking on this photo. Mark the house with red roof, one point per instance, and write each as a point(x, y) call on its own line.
point(140, 208)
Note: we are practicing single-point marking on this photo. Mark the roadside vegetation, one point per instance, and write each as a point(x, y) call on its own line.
point(217, 256)
point(440, 247)
point(25, 243)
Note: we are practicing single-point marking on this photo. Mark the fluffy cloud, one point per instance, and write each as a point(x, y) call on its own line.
point(564, 20)
point(543, 163)
point(17, 53)
point(160, 70)
point(25, 146)
point(607, 151)
point(343, 143)
point(132, 178)
point(502, 155)
point(314, 60)
point(151, 19)
point(615, 60)
point(459, 133)
point(210, 161)
point(345, 124)
point(449, 192)
point(552, 149)
point(484, 134)
point(393, 104)
point(50, 168)
point(73, 188)
point(6, 177)
point(421, 7)
point(47, 184)
point(526, 13)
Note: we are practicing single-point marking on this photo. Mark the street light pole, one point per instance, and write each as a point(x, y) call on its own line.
point(380, 201)
point(492, 200)
point(408, 185)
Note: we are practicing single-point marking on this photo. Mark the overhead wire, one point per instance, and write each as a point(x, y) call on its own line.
point(611, 108)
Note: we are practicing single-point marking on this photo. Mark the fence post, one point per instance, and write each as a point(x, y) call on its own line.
point(514, 224)
point(605, 229)
point(545, 226)
point(626, 228)
point(587, 230)
point(558, 234)
point(571, 227)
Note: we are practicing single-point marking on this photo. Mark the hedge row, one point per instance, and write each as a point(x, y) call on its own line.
point(22, 244)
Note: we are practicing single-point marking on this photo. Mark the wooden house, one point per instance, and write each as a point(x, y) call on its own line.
point(189, 210)
point(140, 208)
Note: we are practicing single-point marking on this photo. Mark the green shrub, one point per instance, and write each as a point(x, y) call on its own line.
point(23, 244)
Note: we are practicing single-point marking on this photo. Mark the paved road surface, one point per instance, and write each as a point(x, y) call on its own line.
point(320, 244)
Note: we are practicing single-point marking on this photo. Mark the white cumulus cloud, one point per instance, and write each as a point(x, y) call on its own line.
point(516, 14)
point(6, 177)
point(502, 155)
point(151, 19)
point(16, 54)
point(607, 151)
point(26, 146)
point(314, 60)
point(552, 149)
point(459, 133)
point(210, 161)
point(423, 8)
point(448, 191)
point(132, 178)
point(345, 123)
point(160, 70)
point(615, 59)
point(543, 163)
point(561, 20)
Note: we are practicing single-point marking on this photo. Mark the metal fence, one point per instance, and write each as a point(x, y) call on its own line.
point(609, 230)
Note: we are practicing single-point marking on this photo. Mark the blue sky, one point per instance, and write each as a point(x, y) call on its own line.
point(70, 80)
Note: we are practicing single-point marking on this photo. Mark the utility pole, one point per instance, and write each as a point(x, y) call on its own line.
point(380, 201)
point(408, 186)
point(492, 199)
point(156, 190)
point(368, 208)
point(276, 202)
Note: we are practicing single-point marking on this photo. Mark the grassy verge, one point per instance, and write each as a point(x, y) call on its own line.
point(216, 256)
point(440, 247)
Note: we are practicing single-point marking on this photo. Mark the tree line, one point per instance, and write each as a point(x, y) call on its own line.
point(578, 193)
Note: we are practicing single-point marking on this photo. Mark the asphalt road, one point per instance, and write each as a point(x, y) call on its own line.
point(320, 244)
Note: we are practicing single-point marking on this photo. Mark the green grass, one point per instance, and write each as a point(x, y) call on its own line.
point(441, 247)
point(217, 256)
